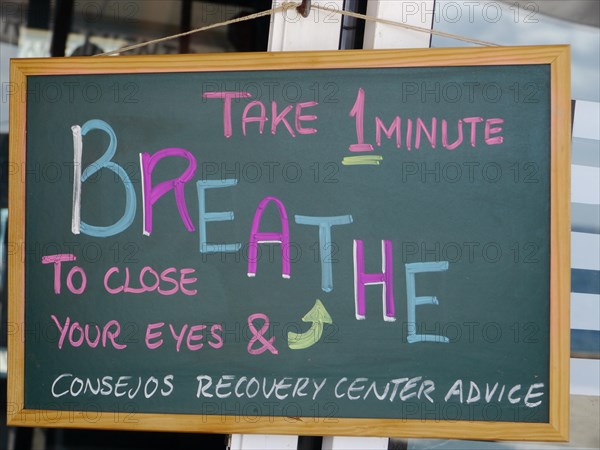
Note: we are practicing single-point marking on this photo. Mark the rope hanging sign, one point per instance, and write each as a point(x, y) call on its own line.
point(442, 172)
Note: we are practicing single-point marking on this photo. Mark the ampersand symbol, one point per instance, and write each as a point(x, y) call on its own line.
point(259, 335)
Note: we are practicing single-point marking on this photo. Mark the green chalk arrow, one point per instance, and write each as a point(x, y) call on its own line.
point(318, 315)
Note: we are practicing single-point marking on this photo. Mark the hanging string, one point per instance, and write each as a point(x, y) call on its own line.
point(289, 5)
point(284, 6)
point(406, 26)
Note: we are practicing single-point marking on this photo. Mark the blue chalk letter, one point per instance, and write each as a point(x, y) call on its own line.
point(205, 247)
point(104, 162)
point(325, 245)
point(414, 301)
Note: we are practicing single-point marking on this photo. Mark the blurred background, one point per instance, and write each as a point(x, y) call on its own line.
point(43, 28)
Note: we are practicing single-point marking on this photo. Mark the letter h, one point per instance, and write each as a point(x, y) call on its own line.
point(385, 278)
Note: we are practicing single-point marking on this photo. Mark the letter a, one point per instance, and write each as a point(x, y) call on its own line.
point(262, 237)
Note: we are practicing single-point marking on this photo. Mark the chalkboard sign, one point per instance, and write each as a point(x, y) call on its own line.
point(347, 243)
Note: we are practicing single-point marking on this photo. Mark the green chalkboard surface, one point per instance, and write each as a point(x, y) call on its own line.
point(315, 244)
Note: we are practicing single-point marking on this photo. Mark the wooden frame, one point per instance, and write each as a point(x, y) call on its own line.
point(557, 57)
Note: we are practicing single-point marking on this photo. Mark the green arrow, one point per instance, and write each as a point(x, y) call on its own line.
point(318, 315)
